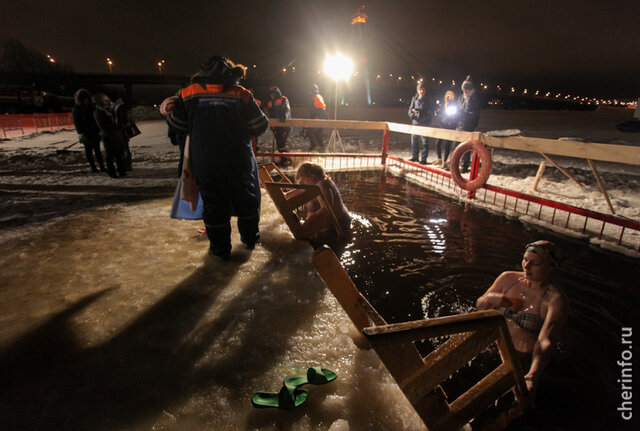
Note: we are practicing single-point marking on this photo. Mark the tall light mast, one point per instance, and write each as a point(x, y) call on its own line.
point(359, 20)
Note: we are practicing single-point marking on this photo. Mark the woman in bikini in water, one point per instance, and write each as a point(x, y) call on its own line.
point(535, 310)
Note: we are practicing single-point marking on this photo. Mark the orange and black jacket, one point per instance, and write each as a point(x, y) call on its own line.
point(318, 108)
point(279, 108)
point(220, 123)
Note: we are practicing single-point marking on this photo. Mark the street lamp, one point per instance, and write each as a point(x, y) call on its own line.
point(51, 59)
point(339, 68)
point(109, 64)
point(160, 65)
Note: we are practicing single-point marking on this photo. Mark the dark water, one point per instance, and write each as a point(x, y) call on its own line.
point(416, 254)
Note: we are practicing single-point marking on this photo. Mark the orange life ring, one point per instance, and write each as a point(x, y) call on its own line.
point(485, 171)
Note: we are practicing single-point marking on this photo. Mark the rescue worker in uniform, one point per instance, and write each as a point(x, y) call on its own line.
point(278, 107)
point(318, 111)
point(220, 118)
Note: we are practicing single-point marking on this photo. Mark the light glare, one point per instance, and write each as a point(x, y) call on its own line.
point(338, 67)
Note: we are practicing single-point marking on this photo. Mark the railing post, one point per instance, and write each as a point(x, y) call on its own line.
point(385, 145)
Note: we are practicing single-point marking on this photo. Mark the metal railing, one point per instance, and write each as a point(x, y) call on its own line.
point(604, 228)
point(34, 123)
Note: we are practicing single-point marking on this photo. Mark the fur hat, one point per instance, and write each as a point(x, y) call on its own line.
point(467, 84)
point(80, 95)
point(222, 70)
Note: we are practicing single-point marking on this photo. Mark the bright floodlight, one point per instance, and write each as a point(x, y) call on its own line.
point(338, 67)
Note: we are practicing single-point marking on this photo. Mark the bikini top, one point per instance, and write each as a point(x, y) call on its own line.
point(530, 322)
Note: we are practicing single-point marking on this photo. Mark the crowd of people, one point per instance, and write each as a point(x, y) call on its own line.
point(96, 118)
point(461, 114)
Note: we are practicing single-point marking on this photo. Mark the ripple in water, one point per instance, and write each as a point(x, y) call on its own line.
point(415, 254)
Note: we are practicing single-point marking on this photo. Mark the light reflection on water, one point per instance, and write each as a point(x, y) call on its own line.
point(415, 255)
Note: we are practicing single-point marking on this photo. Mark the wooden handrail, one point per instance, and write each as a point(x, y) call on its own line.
point(418, 377)
point(434, 327)
point(287, 206)
point(590, 150)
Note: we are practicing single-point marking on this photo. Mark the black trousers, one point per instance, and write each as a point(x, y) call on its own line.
point(223, 197)
point(316, 136)
point(92, 147)
point(282, 136)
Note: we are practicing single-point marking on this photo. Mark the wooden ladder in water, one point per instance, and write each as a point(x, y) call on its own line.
point(420, 377)
point(288, 207)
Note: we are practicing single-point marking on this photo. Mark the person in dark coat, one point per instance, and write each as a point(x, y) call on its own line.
point(87, 128)
point(278, 107)
point(122, 120)
point(421, 112)
point(317, 110)
point(447, 114)
point(112, 135)
point(220, 118)
point(469, 115)
point(176, 137)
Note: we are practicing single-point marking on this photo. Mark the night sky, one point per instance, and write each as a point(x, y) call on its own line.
point(591, 46)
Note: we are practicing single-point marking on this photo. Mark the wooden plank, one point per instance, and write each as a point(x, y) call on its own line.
point(328, 124)
point(280, 201)
point(434, 132)
point(594, 151)
point(287, 207)
point(591, 150)
point(265, 173)
point(539, 174)
point(398, 333)
point(480, 396)
point(509, 357)
point(399, 360)
point(443, 362)
point(557, 166)
point(601, 185)
point(341, 286)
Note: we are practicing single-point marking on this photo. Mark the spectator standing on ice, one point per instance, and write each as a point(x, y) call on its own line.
point(176, 137)
point(87, 128)
point(421, 112)
point(220, 117)
point(447, 115)
point(278, 107)
point(469, 115)
point(318, 111)
point(112, 135)
point(122, 120)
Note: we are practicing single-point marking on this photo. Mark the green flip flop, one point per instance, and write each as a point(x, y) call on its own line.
point(288, 398)
point(314, 376)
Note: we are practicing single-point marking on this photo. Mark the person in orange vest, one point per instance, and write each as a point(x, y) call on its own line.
point(278, 107)
point(220, 117)
point(317, 110)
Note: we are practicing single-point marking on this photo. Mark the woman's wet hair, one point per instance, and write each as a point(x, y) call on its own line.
point(310, 169)
point(547, 250)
